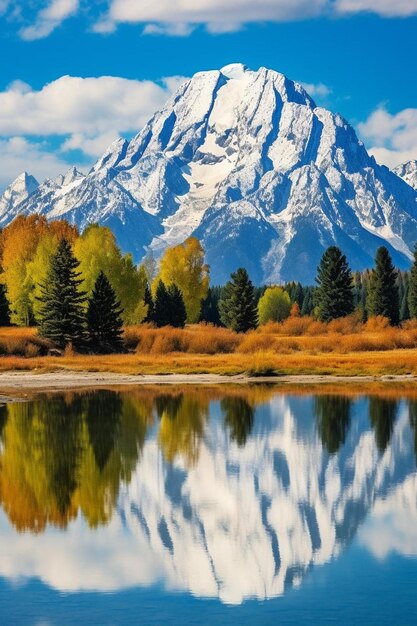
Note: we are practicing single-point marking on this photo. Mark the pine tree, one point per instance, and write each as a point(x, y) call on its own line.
point(162, 305)
point(104, 322)
point(412, 287)
point(404, 309)
point(148, 300)
point(383, 290)
point(334, 294)
point(238, 306)
point(4, 307)
point(308, 305)
point(61, 314)
point(210, 307)
point(177, 312)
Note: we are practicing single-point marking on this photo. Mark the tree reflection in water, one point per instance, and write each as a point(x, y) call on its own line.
point(61, 456)
point(382, 415)
point(238, 418)
point(333, 420)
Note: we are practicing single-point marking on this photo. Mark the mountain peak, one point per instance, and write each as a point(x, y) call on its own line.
point(234, 70)
point(246, 162)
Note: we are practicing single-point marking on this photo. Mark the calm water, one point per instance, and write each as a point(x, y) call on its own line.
point(208, 506)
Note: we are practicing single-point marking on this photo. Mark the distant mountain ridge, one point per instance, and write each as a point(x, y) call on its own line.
point(247, 162)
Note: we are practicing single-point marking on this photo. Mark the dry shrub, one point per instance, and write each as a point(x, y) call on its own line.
point(32, 350)
point(172, 340)
point(409, 325)
point(255, 342)
point(376, 323)
point(316, 328)
point(196, 339)
point(262, 364)
point(209, 339)
point(292, 326)
point(346, 325)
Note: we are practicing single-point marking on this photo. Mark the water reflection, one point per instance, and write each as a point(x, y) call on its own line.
point(231, 493)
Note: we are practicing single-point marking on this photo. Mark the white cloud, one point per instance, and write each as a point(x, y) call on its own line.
point(216, 15)
point(4, 5)
point(173, 29)
point(317, 90)
point(392, 139)
point(385, 8)
point(76, 105)
point(78, 113)
point(180, 17)
point(49, 18)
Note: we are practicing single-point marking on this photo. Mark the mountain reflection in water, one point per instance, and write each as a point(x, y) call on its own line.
point(223, 492)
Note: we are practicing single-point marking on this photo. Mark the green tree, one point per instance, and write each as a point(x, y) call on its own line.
point(334, 294)
point(210, 307)
point(96, 251)
point(383, 290)
point(4, 307)
point(237, 306)
point(412, 287)
point(274, 305)
point(176, 307)
point(148, 300)
point(104, 321)
point(184, 267)
point(61, 315)
point(162, 304)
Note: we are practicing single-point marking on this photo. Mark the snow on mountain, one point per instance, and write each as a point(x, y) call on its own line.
point(247, 162)
point(18, 191)
point(408, 172)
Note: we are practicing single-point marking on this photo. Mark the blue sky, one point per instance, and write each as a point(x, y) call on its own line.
point(357, 57)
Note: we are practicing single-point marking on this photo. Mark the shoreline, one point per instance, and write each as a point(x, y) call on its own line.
point(72, 380)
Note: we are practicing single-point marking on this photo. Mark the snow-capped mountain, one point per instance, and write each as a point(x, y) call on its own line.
point(247, 162)
point(49, 193)
point(16, 193)
point(408, 172)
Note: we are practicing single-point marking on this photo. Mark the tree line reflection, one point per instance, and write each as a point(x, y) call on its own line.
point(61, 456)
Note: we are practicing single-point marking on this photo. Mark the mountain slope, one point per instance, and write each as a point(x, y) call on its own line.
point(247, 162)
point(408, 172)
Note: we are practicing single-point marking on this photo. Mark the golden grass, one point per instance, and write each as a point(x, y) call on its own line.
point(296, 346)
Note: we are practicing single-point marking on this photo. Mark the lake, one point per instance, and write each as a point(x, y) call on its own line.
point(209, 505)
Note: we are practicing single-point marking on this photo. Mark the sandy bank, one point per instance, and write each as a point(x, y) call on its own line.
point(51, 381)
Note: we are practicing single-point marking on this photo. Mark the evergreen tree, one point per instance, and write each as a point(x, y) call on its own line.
point(334, 294)
point(4, 307)
point(210, 307)
point(412, 287)
point(104, 322)
point(308, 304)
point(148, 300)
point(61, 314)
point(162, 304)
point(383, 290)
point(404, 308)
point(176, 309)
point(238, 307)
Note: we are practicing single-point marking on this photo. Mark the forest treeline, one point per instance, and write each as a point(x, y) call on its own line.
point(80, 289)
